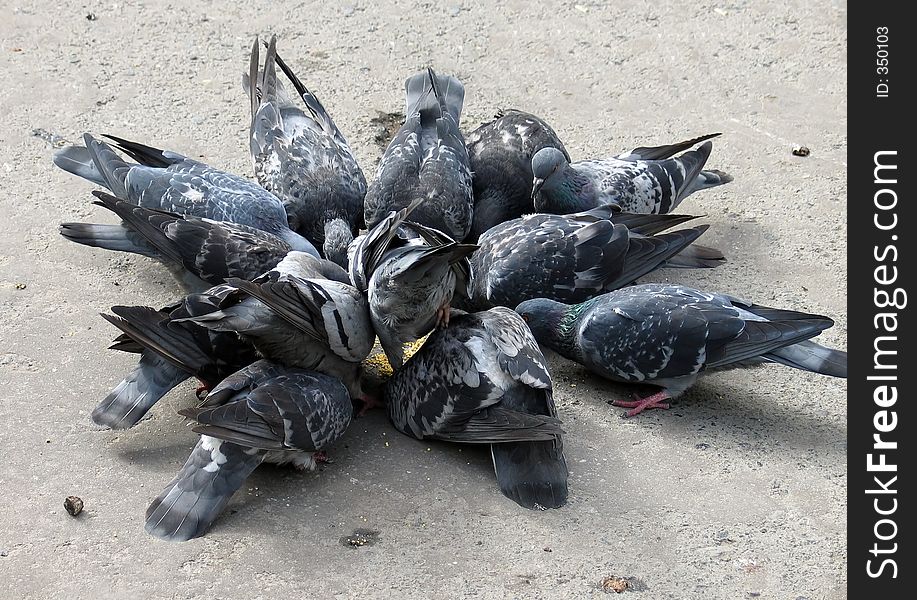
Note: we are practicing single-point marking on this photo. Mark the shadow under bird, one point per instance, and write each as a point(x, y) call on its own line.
point(199, 253)
point(166, 180)
point(303, 158)
point(500, 153)
point(410, 274)
point(263, 413)
point(668, 335)
point(483, 380)
point(426, 159)
point(571, 258)
point(644, 180)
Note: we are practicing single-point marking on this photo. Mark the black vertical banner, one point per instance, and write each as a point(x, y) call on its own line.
point(881, 255)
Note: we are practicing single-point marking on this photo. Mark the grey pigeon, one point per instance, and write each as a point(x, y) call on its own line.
point(483, 380)
point(645, 180)
point(295, 316)
point(200, 253)
point(572, 258)
point(171, 351)
point(501, 154)
point(264, 413)
point(426, 159)
point(409, 277)
point(668, 335)
point(168, 181)
point(303, 158)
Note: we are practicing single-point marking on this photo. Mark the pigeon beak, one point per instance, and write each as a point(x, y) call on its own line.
point(536, 186)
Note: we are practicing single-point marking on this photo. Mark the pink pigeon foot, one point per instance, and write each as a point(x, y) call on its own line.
point(321, 457)
point(202, 390)
point(638, 405)
point(442, 315)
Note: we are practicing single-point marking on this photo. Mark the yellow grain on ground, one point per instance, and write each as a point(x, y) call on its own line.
point(378, 363)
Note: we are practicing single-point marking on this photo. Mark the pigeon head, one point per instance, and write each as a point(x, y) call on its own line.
point(544, 317)
point(547, 165)
point(337, 238)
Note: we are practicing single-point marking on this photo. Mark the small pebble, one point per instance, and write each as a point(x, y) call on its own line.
point(74, 505)
point(801, 151)
point(614, 584)
point(91, 16)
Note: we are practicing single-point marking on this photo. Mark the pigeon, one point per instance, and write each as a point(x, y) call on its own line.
point(426, 159)
point(303, 158)
point(263, 413)
point(501, 154)
point(166, 180)
point(171, 351)
point(296, 317)
point(483, 380)
point(645, 180)
point(410, 274)
point(572, 258)
point(667, 335)
point(200, 253)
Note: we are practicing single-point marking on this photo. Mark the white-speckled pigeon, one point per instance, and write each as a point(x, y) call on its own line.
point(264, 413)
point(645, 180)
point(572, 258)
point(168, 181)
point(667, 335)
point(410, 274)
point(426, 159)
point(200, 253)
point(501, 154)
point(296, 317)
point(303, 158)
point(483, 380)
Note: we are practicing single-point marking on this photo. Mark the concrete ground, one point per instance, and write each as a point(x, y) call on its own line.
point(737, 492)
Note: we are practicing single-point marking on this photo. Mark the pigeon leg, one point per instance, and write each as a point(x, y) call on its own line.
point(321, 457)
point(442, 315)
point(203, 389)
point(638, 406)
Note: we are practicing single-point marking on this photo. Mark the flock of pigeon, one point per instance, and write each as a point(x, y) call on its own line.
point(493, 244)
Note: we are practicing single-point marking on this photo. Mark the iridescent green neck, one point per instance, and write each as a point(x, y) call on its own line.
point(566, 191)
point(555, 325)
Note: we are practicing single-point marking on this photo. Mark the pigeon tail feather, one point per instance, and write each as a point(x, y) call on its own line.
point(150, 380)
point(189, 505)
point(532, 474)
point(813, 357)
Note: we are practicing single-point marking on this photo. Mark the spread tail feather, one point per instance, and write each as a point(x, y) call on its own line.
point(78, 161)
point(150, 380)
point(188, 506)
point(696, 257)
point(813, 357)
point(432, 95)
point(532, 474)
point(109, 163)
point(709, 178)
point(108, 237)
